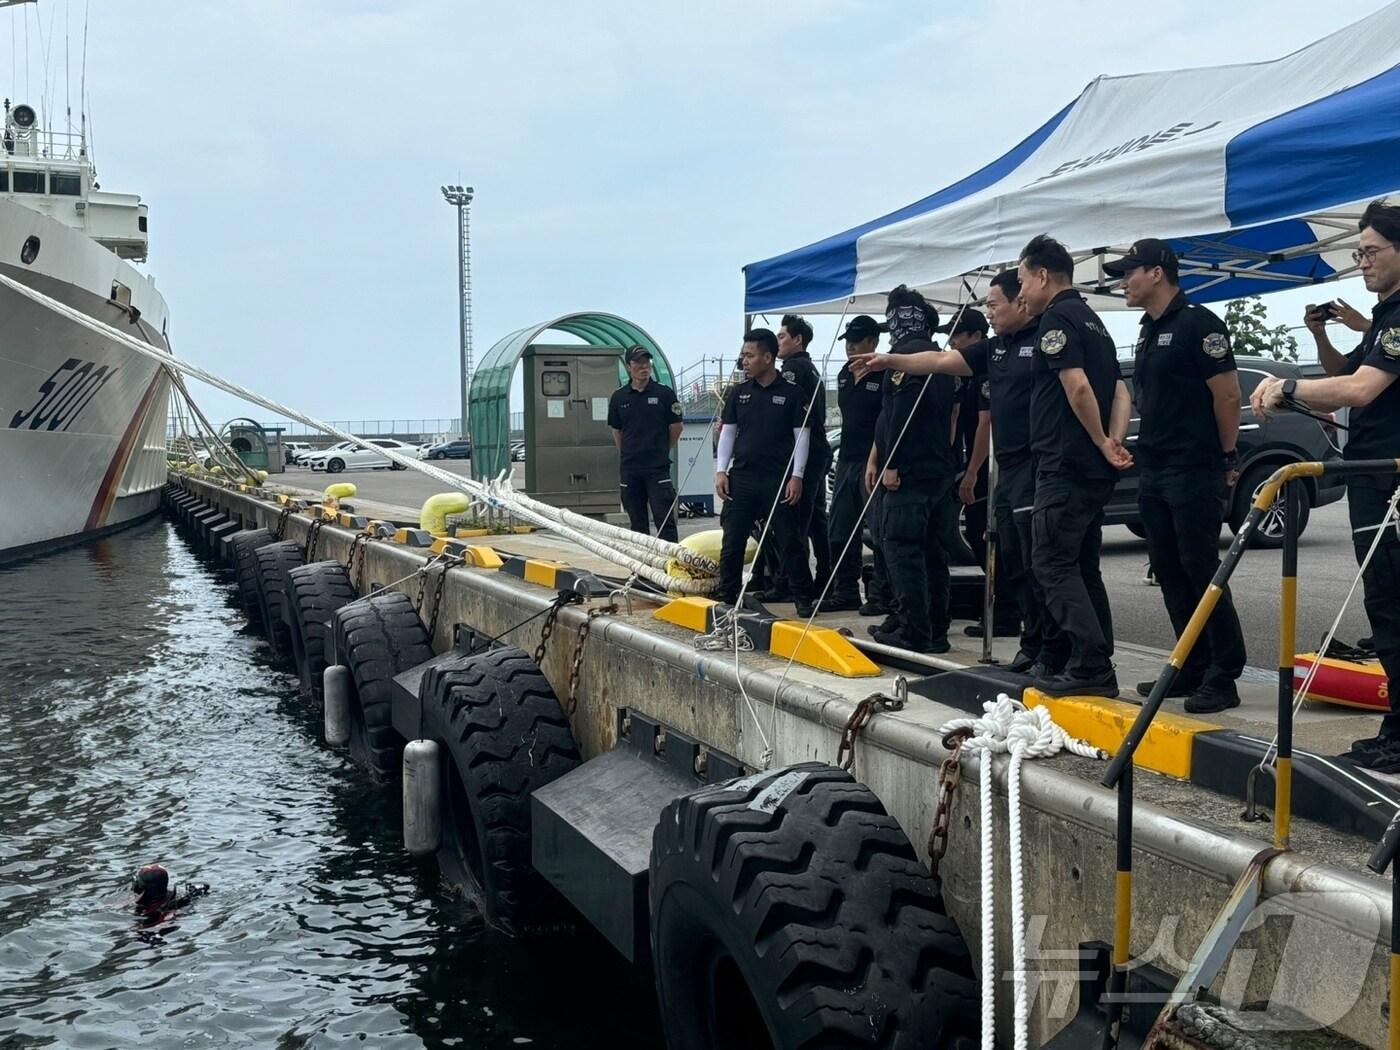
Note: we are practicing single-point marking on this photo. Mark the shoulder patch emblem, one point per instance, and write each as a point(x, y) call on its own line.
point(1390, 342)
point(791, 377)
point(1217, 345)
point(987, 389)
point(896, 378)
point(1053, 341)
point(675, 408)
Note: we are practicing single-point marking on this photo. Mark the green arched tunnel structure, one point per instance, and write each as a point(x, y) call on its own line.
point(492, 380)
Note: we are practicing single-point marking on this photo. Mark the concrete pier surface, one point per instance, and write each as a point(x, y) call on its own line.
point(1143, 631)
point(1190, 846)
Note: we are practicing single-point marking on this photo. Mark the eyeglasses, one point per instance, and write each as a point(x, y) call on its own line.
point(1368, 254)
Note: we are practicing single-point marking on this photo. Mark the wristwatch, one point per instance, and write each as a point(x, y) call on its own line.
point(1289, 387)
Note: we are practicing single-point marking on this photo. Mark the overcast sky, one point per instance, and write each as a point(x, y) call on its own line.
point(628, 158)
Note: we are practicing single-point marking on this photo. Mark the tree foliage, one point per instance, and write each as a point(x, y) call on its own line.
point(1250, 333)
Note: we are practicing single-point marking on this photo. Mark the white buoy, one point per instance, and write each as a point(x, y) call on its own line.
point(422, 797)
point(337, 704)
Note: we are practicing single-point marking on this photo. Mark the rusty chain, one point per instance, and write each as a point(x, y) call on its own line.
point(447, 561)
point(280, 531)
point(564, 598)
point(355, 559)
point(313, 539)
point(865, 710)
point(576, 668)
point(949, 775)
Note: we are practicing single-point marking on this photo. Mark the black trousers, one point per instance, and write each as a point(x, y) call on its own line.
point(847, 501)
point(650, 489)
point(750, 497)
point(879, 590)
point(1014, 500)
point(1066, 533)
point(811, 513)
point(1182, 510)
point(1367, 499)
point(915, 523)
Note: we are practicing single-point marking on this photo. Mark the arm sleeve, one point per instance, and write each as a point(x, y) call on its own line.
point(976, 356)
point(802, 436)
point(1060, 344)
point(727, 437)
point(1385, 349)
point(1214, 356)
point(614, 416)
point(730, 415)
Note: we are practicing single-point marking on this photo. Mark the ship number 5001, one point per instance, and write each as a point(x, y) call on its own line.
point(64, 395)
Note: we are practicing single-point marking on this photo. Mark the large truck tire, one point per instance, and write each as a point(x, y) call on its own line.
point(376, 639)
point(243, 546)
point(317, 591)
point(788, 910)
point(274, 561)
point(506, 736)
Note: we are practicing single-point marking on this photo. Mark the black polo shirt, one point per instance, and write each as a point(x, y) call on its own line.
point(1375, 428)
point(968, 392)
point(1008, 363)
point(645, 418)
point(859, 401)
point(1175, 357)
point(926, 449)
point(766, 417)
point(1070, 336)
point(804, 370)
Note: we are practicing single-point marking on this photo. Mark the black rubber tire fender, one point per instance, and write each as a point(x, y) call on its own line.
point(317, 591)
point(378, 638)
point(788, 909)
point(274, 561)
point(243, 546)
point(506, 736)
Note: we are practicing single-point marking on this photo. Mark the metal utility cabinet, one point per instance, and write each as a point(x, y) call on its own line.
point(570, 459)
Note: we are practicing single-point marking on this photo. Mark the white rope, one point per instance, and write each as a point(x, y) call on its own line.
point(1009, 727)
point(1301, 693)
point(521, 505)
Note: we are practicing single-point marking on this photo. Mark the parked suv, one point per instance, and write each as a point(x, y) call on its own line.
point(458, 449)
point(294, 450)
point(1263, 446)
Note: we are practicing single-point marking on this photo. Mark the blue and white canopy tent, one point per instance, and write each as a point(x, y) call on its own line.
point(1255, 173)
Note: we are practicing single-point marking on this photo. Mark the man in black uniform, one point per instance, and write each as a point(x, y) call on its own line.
point(762, 431)
point(1188, 399)
point(794, 336)
point(914, 455)
point(859, 400)
point(646, 424)
point(1007, 362)
point(1079, 417)
point(1369, 389)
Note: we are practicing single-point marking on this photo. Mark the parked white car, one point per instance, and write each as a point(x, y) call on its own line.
point(347, 455)
point(292, 451)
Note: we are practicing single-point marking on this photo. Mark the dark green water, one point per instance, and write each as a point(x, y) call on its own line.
point(141, 720)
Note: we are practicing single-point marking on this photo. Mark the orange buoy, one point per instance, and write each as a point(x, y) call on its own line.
point(1344, 682)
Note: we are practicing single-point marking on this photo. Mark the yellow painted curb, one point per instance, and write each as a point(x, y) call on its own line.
point(1104, 723)
point(482, 557)
point(821, 648)
point(691, 612)
point(542, 572)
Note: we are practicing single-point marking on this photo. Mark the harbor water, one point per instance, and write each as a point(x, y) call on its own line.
point(142, 720)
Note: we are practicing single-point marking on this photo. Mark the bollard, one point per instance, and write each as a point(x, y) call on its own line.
point(337, 699)
point(422, 797)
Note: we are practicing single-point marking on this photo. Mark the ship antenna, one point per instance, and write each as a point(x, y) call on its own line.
point(82, 88)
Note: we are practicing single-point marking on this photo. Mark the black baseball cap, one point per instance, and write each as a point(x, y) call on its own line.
point(965, 320)
point(1147, 252)
point(862, 327)
point(636, 354)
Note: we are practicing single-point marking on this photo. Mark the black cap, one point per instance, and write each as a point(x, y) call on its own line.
point(965, 320)
point(636, 354)
point(1147, 252)
point(859, 328)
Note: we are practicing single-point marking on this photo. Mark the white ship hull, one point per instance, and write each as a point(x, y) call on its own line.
point(82, 419)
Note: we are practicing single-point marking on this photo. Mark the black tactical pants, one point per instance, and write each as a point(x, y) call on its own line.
point(650, 489)
point(1039, 636)
point(811, 514)
point(1066, 533)
point(915, 520)
point(750, 497)
point(847, 501)
point(1182, 510)
point(1367, 498)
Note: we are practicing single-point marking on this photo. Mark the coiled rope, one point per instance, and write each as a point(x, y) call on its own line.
point(1009, 727)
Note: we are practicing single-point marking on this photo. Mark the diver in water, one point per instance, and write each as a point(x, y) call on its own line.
point(156, 898)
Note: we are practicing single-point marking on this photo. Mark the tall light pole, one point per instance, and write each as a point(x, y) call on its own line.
point(460, 197)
